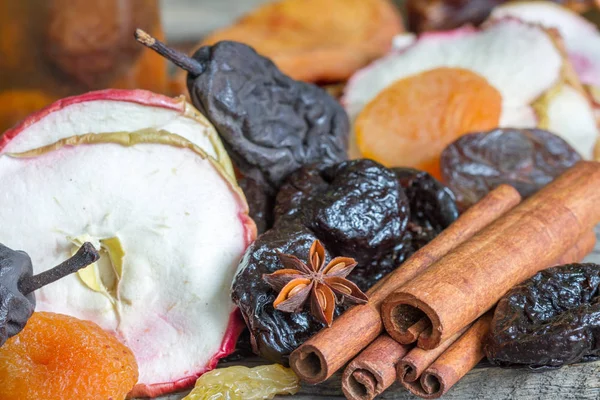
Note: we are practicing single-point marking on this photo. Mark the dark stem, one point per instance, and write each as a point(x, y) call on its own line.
point(176, 57)
point(85, 256)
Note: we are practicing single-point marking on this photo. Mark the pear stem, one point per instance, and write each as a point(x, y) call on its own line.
point(85, 256)
point(176, 57)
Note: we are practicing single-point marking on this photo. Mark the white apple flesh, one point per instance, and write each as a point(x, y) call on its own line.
point(172, 214)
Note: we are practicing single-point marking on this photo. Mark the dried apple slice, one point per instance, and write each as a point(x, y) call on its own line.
point(172, 226)
point(115, 110)
point(581, 37)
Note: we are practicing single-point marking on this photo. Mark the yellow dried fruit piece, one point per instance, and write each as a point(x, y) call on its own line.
point(243, 383)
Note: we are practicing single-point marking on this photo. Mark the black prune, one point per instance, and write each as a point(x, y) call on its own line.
point(274, 334)
point(549, 320)
point(17, 284)
point(432, 205)
point(260, 203)
point(271, 124)
point(15, 307)
point(441, 15)
point(527, 159)
point(298, 189)
point(363, 213)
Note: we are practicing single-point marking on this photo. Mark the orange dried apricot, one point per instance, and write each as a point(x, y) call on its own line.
point(60, 357)
point(411, 122)
point(317, 40)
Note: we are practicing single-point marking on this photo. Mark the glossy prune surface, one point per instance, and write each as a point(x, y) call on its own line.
point(358, 209)
point(432, 205)
point(260, 202)
point(549, 320)
point(274, 334)
point(527, 159)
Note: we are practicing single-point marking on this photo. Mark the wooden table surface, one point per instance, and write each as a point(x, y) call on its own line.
point(188, 20)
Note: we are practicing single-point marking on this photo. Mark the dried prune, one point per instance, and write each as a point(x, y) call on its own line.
point(260, 202)
point(432, 205)
point(527, 159)
point(271, 124)
point(549, 320)
point(17, 284)
point(363, 213)
point(298, 189)
point(356, 208)
point(274, 334)
point(16, 307)
point(439, 15)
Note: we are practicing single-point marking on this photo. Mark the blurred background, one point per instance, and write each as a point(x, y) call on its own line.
point(50, 49)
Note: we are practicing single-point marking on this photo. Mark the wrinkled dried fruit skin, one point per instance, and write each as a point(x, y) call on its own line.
point(243, 383)
point(432, 205)
point(333, 202)
point(439, 15)
point(275, 334)
point(549, 320)
point(527, 159)
point(299, 188)
point(363, 213)
point(260, 203)
point(59, 357)
point(371, 225)
point(15, 308)
point(271, 124)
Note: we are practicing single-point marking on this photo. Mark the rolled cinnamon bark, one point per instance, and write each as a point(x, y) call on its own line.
point(454, 363)
point(411, 367)
point(467, 282)
point(374, 370)
point(417, 362)
point(329, 350)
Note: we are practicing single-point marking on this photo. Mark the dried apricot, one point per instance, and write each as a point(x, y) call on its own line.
point(413, 120)
point(61, 357)
point(317, 40)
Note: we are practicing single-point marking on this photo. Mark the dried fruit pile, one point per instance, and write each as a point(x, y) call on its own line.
point(146, 180)
point(358, 209)
point(410, 104)
point(270, 124)
point(60, 357)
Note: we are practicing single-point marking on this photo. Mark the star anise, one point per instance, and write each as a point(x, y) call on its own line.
point(322, 282)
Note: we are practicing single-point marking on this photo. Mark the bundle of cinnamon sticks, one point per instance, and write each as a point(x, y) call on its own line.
point(437, 307)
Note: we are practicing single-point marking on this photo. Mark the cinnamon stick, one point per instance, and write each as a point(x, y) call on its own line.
point(374, 370)
point(454, 363)
point(411, 367)
point(467, 282)
point(329, 350)
point(444, 372)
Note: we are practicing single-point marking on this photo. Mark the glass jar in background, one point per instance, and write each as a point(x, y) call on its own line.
point(50, 49)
